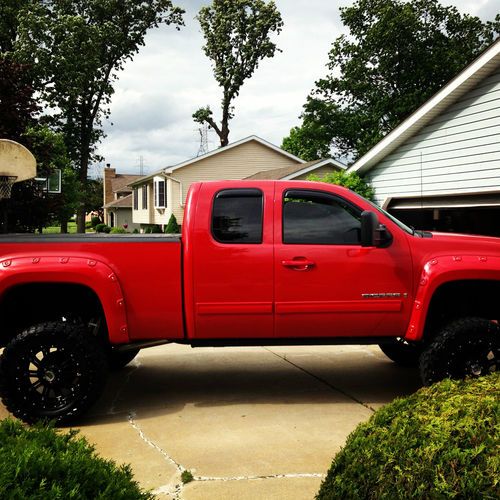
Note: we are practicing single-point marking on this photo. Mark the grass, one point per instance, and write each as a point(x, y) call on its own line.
point(57, 229)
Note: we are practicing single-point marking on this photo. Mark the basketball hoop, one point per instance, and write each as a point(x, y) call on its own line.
point(6, 183)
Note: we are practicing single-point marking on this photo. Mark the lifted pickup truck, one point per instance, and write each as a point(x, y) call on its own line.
point(258, 263)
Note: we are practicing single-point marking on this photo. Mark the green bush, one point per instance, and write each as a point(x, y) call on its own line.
point(349, 180)
point(441, 442)
point(152, 228)
point(41, 463)
point(172, 226)
point(94, 221)
point(100, 228)
point(118, 230)
point(135, 231)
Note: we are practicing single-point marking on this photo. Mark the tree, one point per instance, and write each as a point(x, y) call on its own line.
point(396, 55)
point(172, 226)
point(237, 37)
point(349, 180)
point(78, 47)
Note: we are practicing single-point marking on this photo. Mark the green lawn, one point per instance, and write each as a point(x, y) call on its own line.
point(57, 229)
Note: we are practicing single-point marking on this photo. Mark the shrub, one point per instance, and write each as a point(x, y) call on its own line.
point(156, 229)
point(441, 442)
point(350, 180)
point(172, 226)
point(118, 230)
point(100, 228)
point(135, 231)
point(106, 229)
point(94, 221)
point(40, 463)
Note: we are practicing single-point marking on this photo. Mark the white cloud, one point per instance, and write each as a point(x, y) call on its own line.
point(171, 77)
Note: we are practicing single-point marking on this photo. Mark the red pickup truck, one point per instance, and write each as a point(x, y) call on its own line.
point(258, 263)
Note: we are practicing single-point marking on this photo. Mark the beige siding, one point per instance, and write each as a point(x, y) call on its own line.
point(143, 216)
point(235, 163)
point(458, 152)
point(320, 172)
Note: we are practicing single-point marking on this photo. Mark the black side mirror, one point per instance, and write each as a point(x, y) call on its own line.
point(373, 234)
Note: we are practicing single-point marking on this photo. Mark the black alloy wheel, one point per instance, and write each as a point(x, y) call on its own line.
point(468, 347)
point(52, 371)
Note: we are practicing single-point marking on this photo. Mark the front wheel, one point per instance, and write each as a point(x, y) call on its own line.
point(469, 347)
point(52, 371)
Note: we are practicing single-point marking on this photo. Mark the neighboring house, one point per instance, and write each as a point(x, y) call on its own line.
point(118, 199)
point(157, 196)
point(301, 171)
point(440, 168)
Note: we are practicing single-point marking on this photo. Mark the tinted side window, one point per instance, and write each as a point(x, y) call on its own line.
point(316, 218)
point(237, 216)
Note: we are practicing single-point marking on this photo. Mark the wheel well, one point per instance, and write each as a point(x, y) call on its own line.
point(459, 299)
point(25, 305)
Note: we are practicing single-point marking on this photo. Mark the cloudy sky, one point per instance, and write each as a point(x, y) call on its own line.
point(171, 77)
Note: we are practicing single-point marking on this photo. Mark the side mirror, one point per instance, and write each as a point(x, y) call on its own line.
point(373, 234)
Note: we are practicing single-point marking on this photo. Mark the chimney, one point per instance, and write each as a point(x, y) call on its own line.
point(109, 173)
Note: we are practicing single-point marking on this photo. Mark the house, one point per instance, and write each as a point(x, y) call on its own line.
point(301, 171)
point(440, 168)
point(157, 196)
point(118, 199)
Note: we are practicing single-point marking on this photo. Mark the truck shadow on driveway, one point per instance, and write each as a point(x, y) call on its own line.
point(165, 381)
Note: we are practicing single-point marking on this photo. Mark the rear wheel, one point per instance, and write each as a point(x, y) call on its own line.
point(52, 371)
point(469, 347)
point(402, 352)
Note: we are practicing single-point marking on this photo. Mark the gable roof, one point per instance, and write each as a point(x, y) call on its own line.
point(293, 171)
point(120, 182)
point(123, 202)
point(487, 62)
point(173, 168)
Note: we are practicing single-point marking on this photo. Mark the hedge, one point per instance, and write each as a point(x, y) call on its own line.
point(42, 463)
point(441, 442)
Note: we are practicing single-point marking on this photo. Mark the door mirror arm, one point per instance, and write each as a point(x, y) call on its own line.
point(374, 234)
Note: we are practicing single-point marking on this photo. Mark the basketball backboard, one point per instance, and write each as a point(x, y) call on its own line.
point(16, 164)
point(16, 161)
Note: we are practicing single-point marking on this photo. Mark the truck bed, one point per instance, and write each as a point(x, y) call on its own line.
point(146, 268)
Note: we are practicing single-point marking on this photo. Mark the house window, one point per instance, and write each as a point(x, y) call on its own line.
point(144, 196)
point(319, 218)
point(237, 216)
point(159, 193)
point(135, 195)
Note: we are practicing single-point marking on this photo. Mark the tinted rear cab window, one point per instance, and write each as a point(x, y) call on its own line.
point(237, 216)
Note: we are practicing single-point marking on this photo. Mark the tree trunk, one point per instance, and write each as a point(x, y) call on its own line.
point(224, 130)
point(64, 226)
point(84, 167)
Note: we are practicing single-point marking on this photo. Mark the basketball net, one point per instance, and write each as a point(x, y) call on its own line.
point(6, 183)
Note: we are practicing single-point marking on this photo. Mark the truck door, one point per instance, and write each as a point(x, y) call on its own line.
point(326, 284)
point(233, 261)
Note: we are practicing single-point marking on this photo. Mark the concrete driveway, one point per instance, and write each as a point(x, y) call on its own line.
point(249, 422)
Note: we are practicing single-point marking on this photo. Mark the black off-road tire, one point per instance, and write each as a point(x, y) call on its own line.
point(119, 359)
point(402, 352)
point(52, 371)
point(468, 347)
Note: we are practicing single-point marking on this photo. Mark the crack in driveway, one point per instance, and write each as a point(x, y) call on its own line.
point(175, 490)
point(322, 380)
